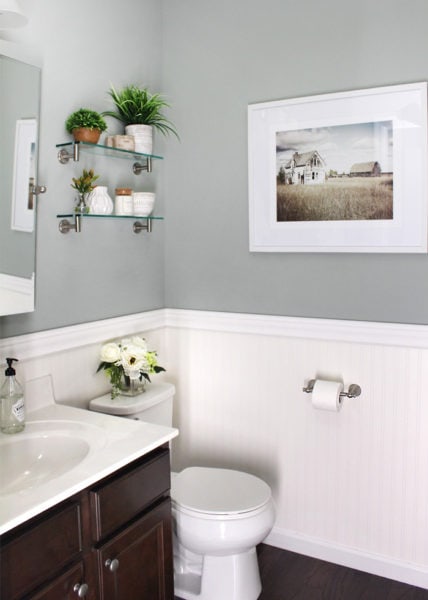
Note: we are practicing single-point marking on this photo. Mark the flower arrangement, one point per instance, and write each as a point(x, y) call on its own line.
point(128, 360)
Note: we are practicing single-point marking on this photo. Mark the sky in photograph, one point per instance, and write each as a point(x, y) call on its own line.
point(340, 146)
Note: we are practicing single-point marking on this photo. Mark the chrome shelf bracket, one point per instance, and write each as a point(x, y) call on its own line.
point(139, 227)
point(65, 226)
point(64, 155)
point(137, 168)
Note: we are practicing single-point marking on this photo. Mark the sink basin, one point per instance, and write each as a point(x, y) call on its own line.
point(43, 451)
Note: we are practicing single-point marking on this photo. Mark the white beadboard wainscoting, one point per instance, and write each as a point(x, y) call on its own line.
point(350, 487)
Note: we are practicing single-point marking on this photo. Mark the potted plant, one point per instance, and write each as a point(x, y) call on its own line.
point(140, 112)
point(84, 185)
point(85, 125)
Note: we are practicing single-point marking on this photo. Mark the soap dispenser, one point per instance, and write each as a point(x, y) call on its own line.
point(12, 415)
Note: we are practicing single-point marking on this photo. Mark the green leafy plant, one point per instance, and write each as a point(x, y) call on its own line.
point(84, 183)
point(84, 117)
point(137, 106)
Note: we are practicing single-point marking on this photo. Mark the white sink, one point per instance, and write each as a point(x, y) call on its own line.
point(44, 451)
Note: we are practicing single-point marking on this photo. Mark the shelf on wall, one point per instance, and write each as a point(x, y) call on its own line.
point(71, 151)
point(65, 226)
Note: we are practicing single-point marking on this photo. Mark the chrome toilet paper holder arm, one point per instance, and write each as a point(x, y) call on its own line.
point(354, 389)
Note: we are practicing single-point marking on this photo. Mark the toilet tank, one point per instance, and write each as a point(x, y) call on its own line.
point(152, 406)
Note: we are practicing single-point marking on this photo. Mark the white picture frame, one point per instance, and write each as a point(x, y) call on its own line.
point(294, 130)
point(24, 175)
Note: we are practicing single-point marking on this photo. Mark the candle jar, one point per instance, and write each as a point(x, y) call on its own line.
point(123, 204)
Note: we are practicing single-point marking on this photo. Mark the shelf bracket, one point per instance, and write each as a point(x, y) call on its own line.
point(64, 155)
point(138, 167)
point(139, 227)
point(65, 226)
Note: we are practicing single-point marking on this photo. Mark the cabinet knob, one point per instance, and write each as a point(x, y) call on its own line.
point(81, 589)
point(112, 564)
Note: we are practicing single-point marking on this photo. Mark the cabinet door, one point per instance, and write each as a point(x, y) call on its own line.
point(40, 551)
point(69, 586)
point(137, 563)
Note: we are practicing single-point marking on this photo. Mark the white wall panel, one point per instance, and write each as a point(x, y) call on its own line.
point(354, 480)
point(350, 487)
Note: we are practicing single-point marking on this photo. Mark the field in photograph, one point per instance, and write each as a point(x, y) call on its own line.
point(341, 199)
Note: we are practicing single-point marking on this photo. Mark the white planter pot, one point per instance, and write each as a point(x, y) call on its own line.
point(143, 137)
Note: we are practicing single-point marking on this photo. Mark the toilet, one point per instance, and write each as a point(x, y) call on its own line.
point(219, 515)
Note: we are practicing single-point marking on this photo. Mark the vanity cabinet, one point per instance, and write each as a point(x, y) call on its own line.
point(112, 541)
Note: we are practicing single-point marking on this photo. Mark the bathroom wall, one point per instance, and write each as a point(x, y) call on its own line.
point(211, 61)
point(106, 270)
point(349, 487)
point(219, 58)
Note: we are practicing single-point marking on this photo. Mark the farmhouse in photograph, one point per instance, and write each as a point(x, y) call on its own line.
point(307, 167)
point(365, 169)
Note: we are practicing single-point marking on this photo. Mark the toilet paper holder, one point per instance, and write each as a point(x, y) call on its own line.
point(354, 389)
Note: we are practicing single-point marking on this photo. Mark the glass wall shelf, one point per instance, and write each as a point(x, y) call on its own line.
point(65, 225)
point(92, 216)
point(71, 151)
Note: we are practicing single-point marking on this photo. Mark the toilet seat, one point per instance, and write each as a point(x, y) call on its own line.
point(218, 492)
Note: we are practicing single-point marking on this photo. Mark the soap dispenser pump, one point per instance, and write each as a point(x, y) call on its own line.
point(12, 415)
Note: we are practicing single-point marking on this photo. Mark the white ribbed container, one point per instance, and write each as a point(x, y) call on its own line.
point(99, 201)
point(143, 137)
point(143, 203)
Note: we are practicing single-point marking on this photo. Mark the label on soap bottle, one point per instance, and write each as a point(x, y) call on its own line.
point(18, 410)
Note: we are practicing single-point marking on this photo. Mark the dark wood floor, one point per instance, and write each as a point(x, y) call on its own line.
point(289, 576)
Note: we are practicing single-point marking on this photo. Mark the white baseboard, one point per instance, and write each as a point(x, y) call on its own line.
point(349, 557)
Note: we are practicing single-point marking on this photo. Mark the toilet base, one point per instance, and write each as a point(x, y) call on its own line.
point(234, 577)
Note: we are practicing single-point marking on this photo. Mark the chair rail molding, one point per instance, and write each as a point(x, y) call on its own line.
point(42, 343)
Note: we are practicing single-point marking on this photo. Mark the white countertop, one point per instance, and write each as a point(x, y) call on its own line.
point(120, 441)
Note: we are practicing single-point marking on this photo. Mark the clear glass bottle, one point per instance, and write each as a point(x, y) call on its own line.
point(12, 414)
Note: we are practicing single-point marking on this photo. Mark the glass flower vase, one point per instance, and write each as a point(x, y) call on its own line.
point(81, 206)
point(131, 384)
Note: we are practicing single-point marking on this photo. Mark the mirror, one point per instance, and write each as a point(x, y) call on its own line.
point(19, 117)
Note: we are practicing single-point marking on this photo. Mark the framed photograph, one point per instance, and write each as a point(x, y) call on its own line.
point(24, 175)
point(343, 172)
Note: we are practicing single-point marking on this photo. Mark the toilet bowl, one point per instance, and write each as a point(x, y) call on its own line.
point(219, 515)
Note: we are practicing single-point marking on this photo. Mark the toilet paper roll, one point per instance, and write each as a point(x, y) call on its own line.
point(326, 395)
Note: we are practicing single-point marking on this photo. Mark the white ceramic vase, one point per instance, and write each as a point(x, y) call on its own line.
point(143, 137)
point(99, 201)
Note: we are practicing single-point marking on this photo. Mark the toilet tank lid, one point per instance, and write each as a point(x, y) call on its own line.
point(131, 405)
point(218, 491)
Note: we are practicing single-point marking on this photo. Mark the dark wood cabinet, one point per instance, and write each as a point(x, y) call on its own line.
point(112, 541)
point(67, 586)
point(137, 562)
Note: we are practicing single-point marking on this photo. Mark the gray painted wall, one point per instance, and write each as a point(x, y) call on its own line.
point(106, 270)
point(218, 58)
point(212, 60)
